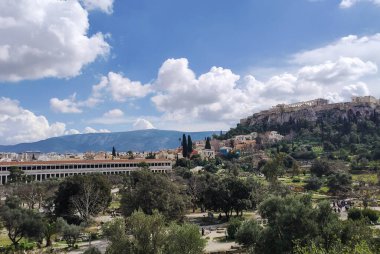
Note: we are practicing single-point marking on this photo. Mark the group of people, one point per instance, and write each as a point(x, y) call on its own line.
point(341, 205)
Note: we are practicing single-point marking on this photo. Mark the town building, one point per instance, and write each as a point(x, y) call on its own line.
point(41, 170)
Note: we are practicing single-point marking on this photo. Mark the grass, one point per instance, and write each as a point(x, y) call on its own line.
point(367, 178)
point(114, 205)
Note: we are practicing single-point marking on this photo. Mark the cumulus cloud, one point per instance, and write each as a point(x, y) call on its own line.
point(119, 88)
point(103, 5)
point(122, 88)
point(21, 125)
point(221, 95)
point(66, 105)
point(349, 3)
point(366, 48)
point(92, 130)
point(114, 113)
point(47, 38)
point(142, 124)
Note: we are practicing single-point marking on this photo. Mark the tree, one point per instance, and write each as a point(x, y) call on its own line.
point(70, 232)
point(119, 241)
point(289, 219)
point(274, 168)
point(113, 152)
point(148, 232)
point(20, 223)
point(189, 145)
point(184, 239)
point(339, 183)
point(313, 183)
point(320, 167)
point(208, 144)
point(184, 146)
point(16, 175)
point(249, 234)
point(84, 195)
point(148, 191)
point(233, 226)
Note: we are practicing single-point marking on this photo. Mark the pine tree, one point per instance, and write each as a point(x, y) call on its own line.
point(189, 145)
point(113, 152)
point(208, 145)
point(184, 146)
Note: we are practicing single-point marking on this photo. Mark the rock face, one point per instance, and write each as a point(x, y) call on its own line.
point(281, 114)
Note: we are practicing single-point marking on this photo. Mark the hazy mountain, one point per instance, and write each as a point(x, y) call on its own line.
point(142, 140)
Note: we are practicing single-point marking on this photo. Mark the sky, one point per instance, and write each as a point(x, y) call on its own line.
point(84, 66)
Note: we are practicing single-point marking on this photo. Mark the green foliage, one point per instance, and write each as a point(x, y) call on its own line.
point(148, 234)
point(339, 183)
point(184, 146)
point(184, 239)
point(115, 233)
point(148, 191)
point(189, 145)
point(21, 223)
point(233, 226)
point(249, 234)
point(84, 195)
point(70, 232)
point(313, 183)
point(16, 175)
point(355, 214)
point(92, 250)
point(320, 168)
point(208, 144)
point(359, 214)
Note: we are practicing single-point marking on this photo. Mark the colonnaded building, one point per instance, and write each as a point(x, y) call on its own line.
point(41, 170)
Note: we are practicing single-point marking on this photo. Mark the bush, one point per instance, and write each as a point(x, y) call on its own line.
point(92, 250)
point(296, 180)
point(355, 214)
point(372, 215)
point(313, 183)
point(233, 227)
point(249, 233)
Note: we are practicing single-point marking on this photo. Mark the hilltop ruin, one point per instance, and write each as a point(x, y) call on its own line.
point(359, 107)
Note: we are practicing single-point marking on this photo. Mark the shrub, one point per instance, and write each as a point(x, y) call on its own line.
point(372, 215)
point(233, 227)
point(313, 183)
point(355, 214)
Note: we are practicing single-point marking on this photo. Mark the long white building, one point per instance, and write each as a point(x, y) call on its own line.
point(41, 170)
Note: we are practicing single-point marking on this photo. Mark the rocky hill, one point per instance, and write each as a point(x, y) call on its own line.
point(359, 108)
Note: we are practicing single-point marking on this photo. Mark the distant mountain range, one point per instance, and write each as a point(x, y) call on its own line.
point(142, 140)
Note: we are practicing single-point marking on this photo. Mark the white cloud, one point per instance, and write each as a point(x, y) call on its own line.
point(72, 132)
point(66, 105)
point(222, 96)
point(120, 89)
point(142, 124)
point(114, 113)
point(47, 38)
point(21, 125)
point(366, 48)
point(92, 130)
point(349, 3)
point(103, 5)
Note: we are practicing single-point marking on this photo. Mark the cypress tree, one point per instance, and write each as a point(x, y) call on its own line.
point(208, 145)
point(113, 151)
point(189, 145)
point(184, 146)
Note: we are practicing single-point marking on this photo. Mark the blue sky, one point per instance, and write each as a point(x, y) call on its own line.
point(82, 66)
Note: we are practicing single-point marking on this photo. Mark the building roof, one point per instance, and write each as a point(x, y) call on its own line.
point(15, 163)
